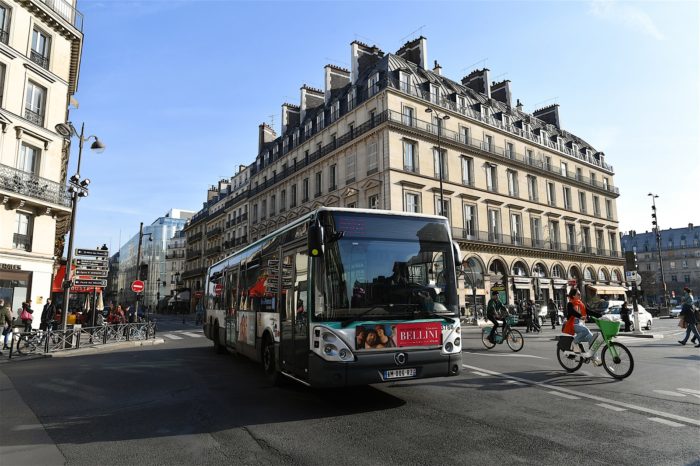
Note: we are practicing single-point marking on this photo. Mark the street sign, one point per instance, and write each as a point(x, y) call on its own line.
point(198, 294)
point(633, 276)
point(92, 273)
point(94, 262)
point(90, 282)
point(218, 289)
point(137, 286)
point(92, 252)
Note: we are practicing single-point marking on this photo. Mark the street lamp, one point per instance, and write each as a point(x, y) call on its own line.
point(78, 189)
point(657, 230)
point(177, 284)
point(440, 117)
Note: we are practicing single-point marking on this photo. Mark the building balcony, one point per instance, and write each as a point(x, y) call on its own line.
point(214, 250)
point(30, 185)
point(34, 117)
point(175, 255)
point(531, 243)
point(193, 254)
point(39, 59)
point(214, 232)
point(196, 237)
point(22, 242)
point(66, 11)
point(197, 272)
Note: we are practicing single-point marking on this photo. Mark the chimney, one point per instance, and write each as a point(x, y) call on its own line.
point(290, 116)
point(549, 114)
point(223, 185)
point(241, 168)
point(310, 98)
point(519, 106)
point(415, 51)
point(212, 192)
point(265, 135)
point(478, 80)
point(690, 226)
point(336, 78)
point(437, 69)
point(362, 58)
point(501, 92)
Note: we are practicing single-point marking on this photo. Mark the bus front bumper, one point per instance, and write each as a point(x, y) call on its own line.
point(371, 368)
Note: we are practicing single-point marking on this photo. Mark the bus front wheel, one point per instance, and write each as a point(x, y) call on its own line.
point(218, 347)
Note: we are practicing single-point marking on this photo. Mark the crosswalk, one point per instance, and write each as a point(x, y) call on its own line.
point(182, 334)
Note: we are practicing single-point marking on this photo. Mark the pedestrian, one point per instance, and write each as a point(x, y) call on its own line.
point(625, 316)
point(199, 313)
point(26, 315)
point(525, 306)
point(690, 323)
point(553, 311)
point(535, 316)
point(5, 323)
point(47, 315)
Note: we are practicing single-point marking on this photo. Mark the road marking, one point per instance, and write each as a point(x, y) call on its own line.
point(480, 373)
point(695, 422)
point(172, 337)
point(669, 393)
point(193, 335)
point(666, 421)
point(564, 395)
point(689, 390)
point(611, 407)
point(506, 355)
point(514, 382)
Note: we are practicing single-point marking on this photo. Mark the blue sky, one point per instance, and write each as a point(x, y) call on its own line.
point(177, 89)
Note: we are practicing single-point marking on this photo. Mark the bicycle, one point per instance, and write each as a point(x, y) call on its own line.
point(29, 342)
point(615, 357)
point(512, 337)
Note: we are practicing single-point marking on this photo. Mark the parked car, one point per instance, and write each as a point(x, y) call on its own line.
point(675, 312)
point(645, 319)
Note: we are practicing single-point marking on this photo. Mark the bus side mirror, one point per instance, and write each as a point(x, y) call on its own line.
point(457, 254)
point(315, 240)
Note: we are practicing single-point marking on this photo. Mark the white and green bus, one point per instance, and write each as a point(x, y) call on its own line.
point(342, 297)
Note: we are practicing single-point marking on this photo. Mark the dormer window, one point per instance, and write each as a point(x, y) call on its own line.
point(404, 82)
point(308, 129)
point(373, 84)
point(461, 102)
point(320, 121)
point(434, 93)
point(506, 120)
point(351, 99)
point(295, 138)
point(285, 145)
point(335, 110)
point(484, 113)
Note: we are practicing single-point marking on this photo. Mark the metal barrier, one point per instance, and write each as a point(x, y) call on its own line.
point(51, 341)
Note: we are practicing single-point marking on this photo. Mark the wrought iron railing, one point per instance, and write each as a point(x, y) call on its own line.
point(66, 11)
point(23, 242)
point(39, 59)
point(4, 36)
point(29, 184)
point(34, 117)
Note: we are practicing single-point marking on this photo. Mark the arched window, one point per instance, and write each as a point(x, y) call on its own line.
point(520, 269)
point(539, 271)
point(617, 276)
point(473, 273)
point(588, 274)
point(603, 275)
point(557, 271)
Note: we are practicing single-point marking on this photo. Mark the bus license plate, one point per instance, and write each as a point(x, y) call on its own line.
point(399, 373)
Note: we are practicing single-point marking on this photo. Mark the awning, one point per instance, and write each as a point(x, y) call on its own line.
point(607, 289)
point(558, 283)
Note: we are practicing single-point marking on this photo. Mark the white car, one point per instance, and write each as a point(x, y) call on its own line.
point(675, 312)
point(543, 316)
point(645, 319)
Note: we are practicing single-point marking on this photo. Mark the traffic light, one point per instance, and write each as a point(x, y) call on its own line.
point(631, 261)
point(143, 272)
point(653, 215)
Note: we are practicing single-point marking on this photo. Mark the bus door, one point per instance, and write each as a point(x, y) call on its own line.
point(294, 336)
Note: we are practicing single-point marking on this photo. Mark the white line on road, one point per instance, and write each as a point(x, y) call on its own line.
point(479, 373)
point(689, 390)
point(511, 355)
point(172, 337)
point(695, 422)
point(514, 382)
point(564, 395)
point(669, 393)
point(611, 407)
point(666, 421)
point(193, 335)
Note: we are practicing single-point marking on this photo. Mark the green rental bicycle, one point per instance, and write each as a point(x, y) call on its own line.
point(512, 337)
point(616, 358)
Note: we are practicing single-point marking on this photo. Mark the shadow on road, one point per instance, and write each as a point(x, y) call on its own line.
point(165, 392)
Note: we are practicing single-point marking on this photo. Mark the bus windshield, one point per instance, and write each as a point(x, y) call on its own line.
point(385, 267)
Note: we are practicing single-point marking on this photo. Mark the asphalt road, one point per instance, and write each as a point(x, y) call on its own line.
point(179, 403)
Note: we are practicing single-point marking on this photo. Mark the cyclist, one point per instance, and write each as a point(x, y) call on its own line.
point(494, 310)
point(576, 313)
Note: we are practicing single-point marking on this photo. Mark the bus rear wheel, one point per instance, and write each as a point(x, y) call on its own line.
point(269, 361)
point(218, 347)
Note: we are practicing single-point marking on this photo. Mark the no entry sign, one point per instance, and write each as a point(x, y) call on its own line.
point(218, 289)
point(137, 286)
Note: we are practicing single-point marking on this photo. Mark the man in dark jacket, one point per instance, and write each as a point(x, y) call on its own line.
point(48, 314)
point(625, 316)
point(691, 324)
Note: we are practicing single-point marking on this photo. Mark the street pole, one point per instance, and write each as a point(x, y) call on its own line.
point(138, 269)
point(67, 283)
point(440, 119)
point(657, 231)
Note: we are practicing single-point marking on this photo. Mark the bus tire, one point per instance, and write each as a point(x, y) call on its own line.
point(218, 347)
point(269, 361)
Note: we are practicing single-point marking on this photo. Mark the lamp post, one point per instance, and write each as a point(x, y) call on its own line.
point(440, 117)
point(177, 283)
point(657, 231)
point(78, 189)
point(138, 265)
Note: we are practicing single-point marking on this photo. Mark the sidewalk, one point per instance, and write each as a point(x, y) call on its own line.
point(69, 353)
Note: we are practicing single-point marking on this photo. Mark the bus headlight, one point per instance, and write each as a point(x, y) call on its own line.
point(449, 347)
point(330, 346)
point(458, 341)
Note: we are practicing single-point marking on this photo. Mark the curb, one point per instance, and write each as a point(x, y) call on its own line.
point(106, 348)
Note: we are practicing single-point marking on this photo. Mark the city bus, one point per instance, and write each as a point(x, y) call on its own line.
point(341, 297)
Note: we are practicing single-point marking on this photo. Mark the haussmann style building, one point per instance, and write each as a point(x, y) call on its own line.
point(40, 52)
point(532, 206)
